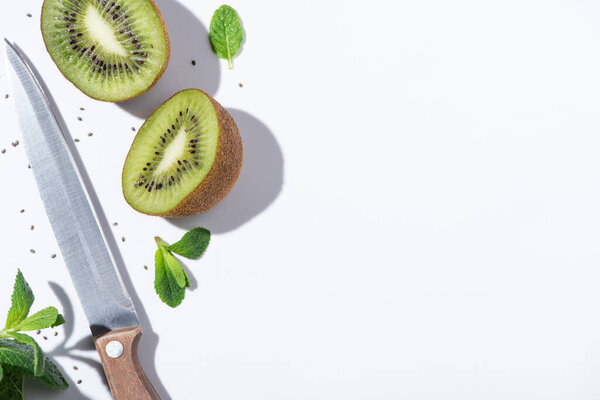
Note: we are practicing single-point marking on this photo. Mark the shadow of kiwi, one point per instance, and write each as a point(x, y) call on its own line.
point(259, 184)
point(189, 41)
point(149, 340)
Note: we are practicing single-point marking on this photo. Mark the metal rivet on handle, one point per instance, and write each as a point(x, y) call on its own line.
point(114, 349)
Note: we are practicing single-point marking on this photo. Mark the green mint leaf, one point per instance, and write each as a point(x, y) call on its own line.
point(22, 299)
point(165, 284)
point(226, 34)
point(176, 270)
point(40, 320)
point(1, 373)
point(59, 321)
point(193, 244)
point(18, 358)
point(172, 263)
point(11, 386)
point(38, 354)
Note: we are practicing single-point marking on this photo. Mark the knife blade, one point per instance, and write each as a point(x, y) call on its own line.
point(106, 303)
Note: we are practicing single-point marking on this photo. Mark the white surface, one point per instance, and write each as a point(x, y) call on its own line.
point(417, 218)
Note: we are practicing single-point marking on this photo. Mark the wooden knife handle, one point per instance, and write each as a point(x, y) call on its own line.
point(125, 375)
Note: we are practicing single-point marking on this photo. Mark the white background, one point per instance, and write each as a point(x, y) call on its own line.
point(418, 215)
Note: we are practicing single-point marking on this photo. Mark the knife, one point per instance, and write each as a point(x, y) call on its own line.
point(113, 321)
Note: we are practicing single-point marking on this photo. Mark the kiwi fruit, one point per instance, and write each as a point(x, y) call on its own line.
point(184, 159)
point(112, 50)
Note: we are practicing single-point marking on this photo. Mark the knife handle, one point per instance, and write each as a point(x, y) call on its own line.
point(118, 353)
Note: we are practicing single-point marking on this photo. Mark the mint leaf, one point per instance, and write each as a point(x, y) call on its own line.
point(59, 321)
point(22, 299)
point(38, 354)
point(1, 373)
point(193, 244)
point(40, 320)
point(172, 263)
point(165, 284)
point(11, 387)
point(17, 358)
point(226, 34)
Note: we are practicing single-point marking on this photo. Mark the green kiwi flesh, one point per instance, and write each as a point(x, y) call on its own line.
point(184, 159)
point(112, 50)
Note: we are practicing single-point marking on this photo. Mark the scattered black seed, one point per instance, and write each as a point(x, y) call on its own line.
point(115, 223)
point(76, 140)
point(38, 332)
point(193, 62)
point(29, 166)
point(32, 227)
point(3, 151)
point(75, 367)
point(145, 267)
point(29, 15)
point(45, 337)
point(90, 134)
point(240, 84)
point(81, 108)
point(55, 333)
point(79, 119)
point(32, 251)
point(53, 256)
point(123, 238)
point(22, 210)
point(15, 143)
point(79, 382)
point(133, 129)
point(6, 96)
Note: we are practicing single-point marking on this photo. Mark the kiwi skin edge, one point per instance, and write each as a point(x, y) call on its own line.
point(222, 175)
point(158, 76)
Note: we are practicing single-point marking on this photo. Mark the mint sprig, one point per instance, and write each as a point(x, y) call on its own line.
point(226, 34)
point(20, 354)
point(170, 279)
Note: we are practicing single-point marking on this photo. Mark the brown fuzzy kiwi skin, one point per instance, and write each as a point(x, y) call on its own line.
point(158, 76)
point(223, 174)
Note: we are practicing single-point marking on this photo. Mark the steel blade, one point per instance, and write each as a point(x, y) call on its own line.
point(82, 244)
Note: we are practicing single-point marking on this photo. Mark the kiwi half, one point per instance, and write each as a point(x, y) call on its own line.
point(184, 159)
point(112, 50)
